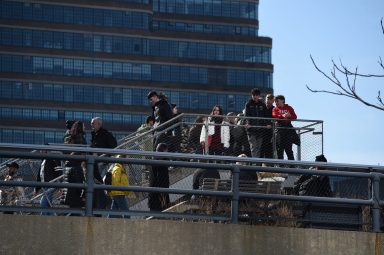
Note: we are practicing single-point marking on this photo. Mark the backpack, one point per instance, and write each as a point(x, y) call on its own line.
point(108, 178)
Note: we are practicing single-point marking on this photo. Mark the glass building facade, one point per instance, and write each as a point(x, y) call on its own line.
point(63, 60)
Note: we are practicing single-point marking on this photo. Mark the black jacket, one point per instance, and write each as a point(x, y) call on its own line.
point(103, 139)
point(256, 109)
point(313, 185)
point(201, 174)
point(75, 174)
point(48, 171)
point(162, 112)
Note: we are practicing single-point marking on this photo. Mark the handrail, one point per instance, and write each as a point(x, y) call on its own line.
point(374, 173)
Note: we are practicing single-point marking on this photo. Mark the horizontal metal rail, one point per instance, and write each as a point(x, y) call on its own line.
point(90, 155)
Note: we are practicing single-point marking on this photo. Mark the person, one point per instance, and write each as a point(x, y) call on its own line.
point(75, 134)
point(176, 137)
point(9, 196)
point(118, 197)
point(244, 174)
point(314, 185)
point(231, 122)
point(75, 174)
point(159, 177)
point(101, 138)
point(146, 143)
point(240, 138)
point(267, 146)
point(256, 128)
point(200, 174)
point(47, 172)
point(215, 132)
point(161, 112)
point(193, 144)
point(285, 134)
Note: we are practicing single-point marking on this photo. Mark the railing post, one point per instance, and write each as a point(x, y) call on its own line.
point(90, 187)
point(376, 202)
point(206, 145)
point(299, 148)
point(235, 194)
point(274, 134)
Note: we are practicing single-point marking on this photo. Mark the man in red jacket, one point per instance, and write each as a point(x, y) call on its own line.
point(285, 133)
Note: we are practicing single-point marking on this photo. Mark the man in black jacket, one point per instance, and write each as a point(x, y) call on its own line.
point(162, 112)
point(256, 128)
point(101, 138)
point(314, 185)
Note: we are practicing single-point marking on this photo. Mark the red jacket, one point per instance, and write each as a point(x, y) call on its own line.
point(278, 113)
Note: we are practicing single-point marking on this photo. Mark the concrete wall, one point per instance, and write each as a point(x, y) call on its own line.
point(23, 234)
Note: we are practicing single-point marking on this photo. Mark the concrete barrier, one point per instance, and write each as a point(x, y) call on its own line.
point(27, 234)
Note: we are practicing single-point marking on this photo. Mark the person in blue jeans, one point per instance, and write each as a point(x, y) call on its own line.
point(119, 198)
point(47, 172)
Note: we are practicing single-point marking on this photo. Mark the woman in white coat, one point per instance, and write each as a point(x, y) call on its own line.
point(215, 133)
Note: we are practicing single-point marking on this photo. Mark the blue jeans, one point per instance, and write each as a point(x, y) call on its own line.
point(119, 203)
point(46, 199)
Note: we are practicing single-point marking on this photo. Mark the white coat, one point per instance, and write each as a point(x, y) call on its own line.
point(224, 132)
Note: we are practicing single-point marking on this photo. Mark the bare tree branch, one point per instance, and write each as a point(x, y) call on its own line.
point(382, 26)
point(348, 88)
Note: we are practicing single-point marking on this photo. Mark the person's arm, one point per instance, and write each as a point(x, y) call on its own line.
point(292, 113)
point(111, 140)
point(226, 136)
point(203, 133)
point(276, 113)
point(247, 114)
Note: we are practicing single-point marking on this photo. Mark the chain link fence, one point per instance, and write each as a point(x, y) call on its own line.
point(236, 141)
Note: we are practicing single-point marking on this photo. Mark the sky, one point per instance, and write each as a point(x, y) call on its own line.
point(346, 30)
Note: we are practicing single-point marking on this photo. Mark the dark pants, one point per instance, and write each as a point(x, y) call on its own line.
point(267, 145)
point(162, 138)
point(158, 177)
point(284, 144)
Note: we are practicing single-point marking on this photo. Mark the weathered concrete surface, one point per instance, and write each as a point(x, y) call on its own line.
point(22, 234)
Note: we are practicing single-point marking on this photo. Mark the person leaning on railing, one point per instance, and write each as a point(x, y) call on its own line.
point(286, 136)
point(255, 110)
point(314, 185)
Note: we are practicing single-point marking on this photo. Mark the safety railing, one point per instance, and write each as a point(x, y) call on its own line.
point(230, 167)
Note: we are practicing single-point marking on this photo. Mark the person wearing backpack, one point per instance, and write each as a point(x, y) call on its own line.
point(119, 198)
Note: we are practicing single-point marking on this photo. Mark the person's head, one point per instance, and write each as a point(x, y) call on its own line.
point(240, 162)
point(217, 110)
point(162, 147)
point(199, 119)
point(77, 128)
point(150, 121)
point(96, 123)
point(231, 116)
point(320, 158)
point(69, 123)
point(12, 168)
point(153, 97)
point(269, 98)
point(255, 93)
point(239, 118)
point(174, 108)
point(280, 100)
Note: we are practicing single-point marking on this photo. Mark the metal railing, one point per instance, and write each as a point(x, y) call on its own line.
point(227, 163)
